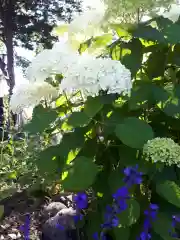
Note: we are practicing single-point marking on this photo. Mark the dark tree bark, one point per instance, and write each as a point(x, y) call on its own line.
point(8, 21)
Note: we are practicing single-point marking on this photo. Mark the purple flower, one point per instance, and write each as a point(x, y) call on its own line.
point(81, 200)
point(121, 193)
point(175, 220)
point(26, 227)
point(110, 219)
point(150, 216)
point(95, 236)
point(102, 236)
point(145, 236)
point(120, 197)
point(78, 218)
point(132, 176)
point(152, 211)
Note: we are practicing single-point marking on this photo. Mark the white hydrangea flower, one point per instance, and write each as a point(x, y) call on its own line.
point(52, 61)
point(173, 13)
point(88, 23)
point(40, 66)
point(90, 75)
point(30, 94)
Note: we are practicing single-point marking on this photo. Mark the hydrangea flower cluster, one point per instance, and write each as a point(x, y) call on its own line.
point(28, 95)
point(92, 75)
point(80, 72)
point(162, 150)
point(85, 73)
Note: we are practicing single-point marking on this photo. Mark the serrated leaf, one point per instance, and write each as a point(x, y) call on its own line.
point(92, 106)
point(134, 132)
point(170, 191)
point(81, 175)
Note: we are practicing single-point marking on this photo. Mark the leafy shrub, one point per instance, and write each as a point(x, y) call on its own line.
point(107, 139)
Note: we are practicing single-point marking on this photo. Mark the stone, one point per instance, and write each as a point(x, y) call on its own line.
point(61, 226)
point(52, 209)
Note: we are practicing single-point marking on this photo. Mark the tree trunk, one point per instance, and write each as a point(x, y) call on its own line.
point(8, 34)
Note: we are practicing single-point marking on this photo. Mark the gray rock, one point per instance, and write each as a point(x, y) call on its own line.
point(52, 209)
point(61, 226)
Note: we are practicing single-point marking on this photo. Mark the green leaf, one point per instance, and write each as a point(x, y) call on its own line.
point(175, 55)
point(170, 191)
point(101, 41)
point(148, 33)
point(156, 63)
point(140, 95)
point(93, 221)
point(172, 109)
point(120, 30)
point(177, 90)
point(162, 226)
point(1, 211)
point(46, 161)
point(41, 119)
point(78, 119)
point(92, 106)
point(121, 233)
point(131, 214)
point(169, 29)
point(118, 51)
point(133, 60)
point(84, 46)
point(159, 93)
point(115, 180)
point(81, 175)
point(71, 142)
point(134, 132)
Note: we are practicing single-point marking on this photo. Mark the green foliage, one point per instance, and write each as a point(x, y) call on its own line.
point(1, 211)
point(170, 191)
point(105, 134)
point(37, 125)
point(128, 132)
point(131, 215)
point(162, 226)
point(81, 175)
